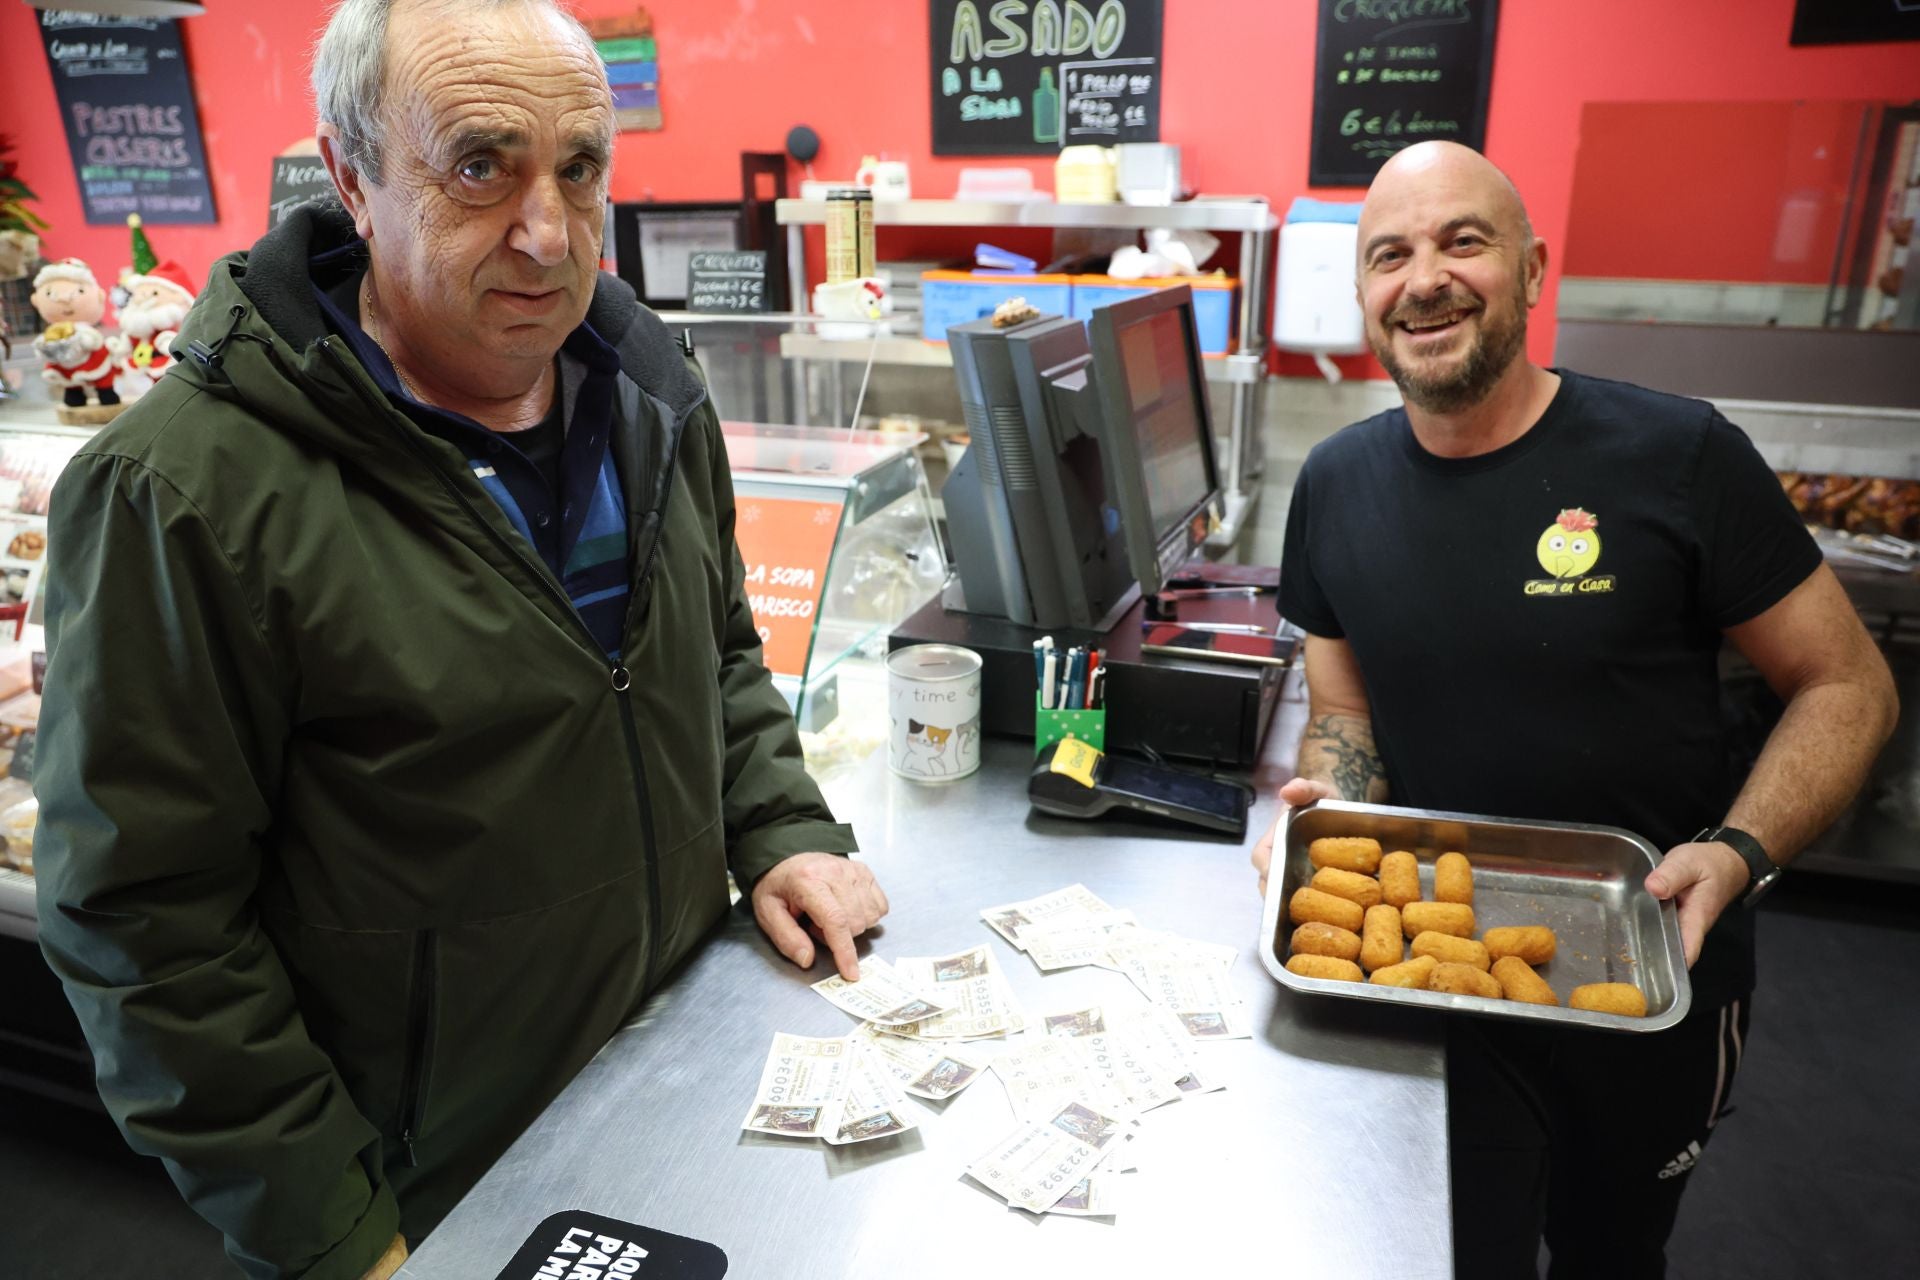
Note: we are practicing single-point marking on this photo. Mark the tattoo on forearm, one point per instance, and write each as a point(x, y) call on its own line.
point(1340, 750)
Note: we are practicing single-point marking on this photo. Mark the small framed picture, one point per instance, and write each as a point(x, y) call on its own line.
point(653, 241)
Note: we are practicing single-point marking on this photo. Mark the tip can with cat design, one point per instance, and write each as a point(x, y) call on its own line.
point(933, 706)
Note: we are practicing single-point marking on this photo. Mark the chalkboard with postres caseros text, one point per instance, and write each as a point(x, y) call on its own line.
point(1028, 77)
point(1391, 73)
point(126, 102)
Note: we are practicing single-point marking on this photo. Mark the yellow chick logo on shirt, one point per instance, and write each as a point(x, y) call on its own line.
point(1568, 551)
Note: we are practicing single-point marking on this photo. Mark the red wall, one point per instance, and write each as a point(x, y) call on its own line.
point(1763, 185)
point(737, 73)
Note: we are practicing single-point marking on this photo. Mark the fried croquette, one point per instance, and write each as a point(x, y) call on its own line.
point(1453, 878)
point(1380, 940)
point(1412, 975)
point(1350, 885)
point(1309, 904)
point(1455, 918)
point(1317, 938)
point(1609, 997)
point(1448, 949)
point(1326, 967)
point(1464, 980)
point(1533, 943)
point(1517, 978)
point(1400, 879)
point(1349, 853)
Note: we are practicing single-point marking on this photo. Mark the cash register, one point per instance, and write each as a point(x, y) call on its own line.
point(1079, 511)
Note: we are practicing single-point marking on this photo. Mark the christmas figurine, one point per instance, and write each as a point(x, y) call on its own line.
point(144, 260)
point(157, 302)
point(78, 356)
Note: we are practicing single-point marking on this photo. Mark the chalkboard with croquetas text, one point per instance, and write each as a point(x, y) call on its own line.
point(1390, 73)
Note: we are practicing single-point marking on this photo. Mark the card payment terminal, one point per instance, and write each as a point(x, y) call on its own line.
point(1074, 780)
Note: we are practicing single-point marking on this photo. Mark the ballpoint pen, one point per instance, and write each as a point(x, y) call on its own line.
point(1233, 628)
point(1206, 593)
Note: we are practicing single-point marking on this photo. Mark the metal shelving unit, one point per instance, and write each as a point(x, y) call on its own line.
point(1243, 373)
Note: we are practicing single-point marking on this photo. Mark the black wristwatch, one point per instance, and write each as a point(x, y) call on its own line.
point(1762, 871)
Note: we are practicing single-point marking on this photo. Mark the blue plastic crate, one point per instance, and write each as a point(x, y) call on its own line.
point(954, 297)
point(1213, 298)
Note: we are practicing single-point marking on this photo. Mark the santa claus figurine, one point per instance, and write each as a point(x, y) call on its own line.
point(156, 304)
point(78, 356)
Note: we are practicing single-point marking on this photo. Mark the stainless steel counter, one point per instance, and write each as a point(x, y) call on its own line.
point(1325, 1154)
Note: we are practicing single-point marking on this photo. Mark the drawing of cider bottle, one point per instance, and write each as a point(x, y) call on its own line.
point(1046, 109)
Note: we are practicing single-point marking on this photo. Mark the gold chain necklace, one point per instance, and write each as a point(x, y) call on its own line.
point(373, 331)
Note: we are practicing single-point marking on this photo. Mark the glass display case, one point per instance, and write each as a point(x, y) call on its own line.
point(837, 534)
point(33, 450)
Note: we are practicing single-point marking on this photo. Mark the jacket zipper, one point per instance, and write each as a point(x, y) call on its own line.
point(618, 675)
point(420, 1020)
point(622, 682)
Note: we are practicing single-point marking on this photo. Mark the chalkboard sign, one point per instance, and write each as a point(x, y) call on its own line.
point(1391, 73)
point(1854, 21)
point(296, 180)
point(734, 281)
point(1019, 78)
point(127, 105)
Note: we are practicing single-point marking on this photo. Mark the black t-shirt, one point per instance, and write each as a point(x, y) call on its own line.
point(1538, 626)
point(542, 443)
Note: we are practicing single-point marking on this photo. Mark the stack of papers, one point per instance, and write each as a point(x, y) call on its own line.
point(1072, 926)
point(1078, 1080)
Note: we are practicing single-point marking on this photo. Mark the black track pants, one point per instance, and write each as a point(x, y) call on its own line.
point(1584, 1136)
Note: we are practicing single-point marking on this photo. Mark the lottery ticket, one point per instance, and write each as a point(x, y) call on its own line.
point(801, 1087)
point(924, 1068)
point(1037, 1164)
point(879, 996)
point(980, 1002)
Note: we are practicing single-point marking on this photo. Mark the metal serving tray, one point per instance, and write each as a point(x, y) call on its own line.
point(1586, 883)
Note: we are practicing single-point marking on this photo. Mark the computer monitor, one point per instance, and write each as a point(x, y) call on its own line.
point(1036, 537)
point(1155, 428)
point(1092, 463)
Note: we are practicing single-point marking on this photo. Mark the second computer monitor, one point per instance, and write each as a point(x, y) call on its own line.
point(1155, 429)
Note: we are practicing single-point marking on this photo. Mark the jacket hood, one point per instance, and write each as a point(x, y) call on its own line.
point(258, 310)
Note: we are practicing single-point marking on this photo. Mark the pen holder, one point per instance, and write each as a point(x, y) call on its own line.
point(1053, 725)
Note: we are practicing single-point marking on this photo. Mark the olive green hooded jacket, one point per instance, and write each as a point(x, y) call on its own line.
point(354, 847)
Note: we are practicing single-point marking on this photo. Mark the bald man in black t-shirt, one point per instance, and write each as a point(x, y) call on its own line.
point(1514, 590)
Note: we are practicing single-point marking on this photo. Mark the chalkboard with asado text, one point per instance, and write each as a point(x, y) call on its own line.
point(296, 180)
point(127, 105)
point(1028, 77)
point(727, 281)
point(1391, 73)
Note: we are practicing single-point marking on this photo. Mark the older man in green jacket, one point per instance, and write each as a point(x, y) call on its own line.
point(405, 712)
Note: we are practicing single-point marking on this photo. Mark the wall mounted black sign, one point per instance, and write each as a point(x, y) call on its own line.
point(1854, 21)
point(296, 180)
point(577, 1245)
point(723, 282)
point(1391, 73)
point(126, 102)
point(1025, 77)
